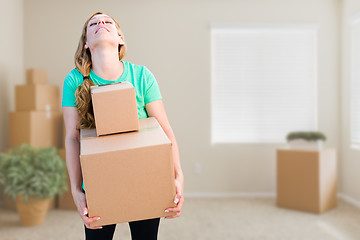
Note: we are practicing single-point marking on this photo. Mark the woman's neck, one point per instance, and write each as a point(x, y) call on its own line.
point(106, 64)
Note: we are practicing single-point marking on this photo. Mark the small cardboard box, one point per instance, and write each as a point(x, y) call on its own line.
point(38, 128)
point(36, 76)
point(128, 176)
point(66, 201)
point(306, 180)
point(36, 98)
point(115, 108)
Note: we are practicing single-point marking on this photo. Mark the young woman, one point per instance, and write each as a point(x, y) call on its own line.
point(98, 61)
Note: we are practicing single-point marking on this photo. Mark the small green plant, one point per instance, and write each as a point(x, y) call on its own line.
point(29, 171)
point(308, 136)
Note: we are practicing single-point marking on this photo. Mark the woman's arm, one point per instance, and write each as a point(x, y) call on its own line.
point(156, 109)
point(72, 146)
point(72, 156)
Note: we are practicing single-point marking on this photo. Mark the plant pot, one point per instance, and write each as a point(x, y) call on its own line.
point(302, 144)
point(33, 212)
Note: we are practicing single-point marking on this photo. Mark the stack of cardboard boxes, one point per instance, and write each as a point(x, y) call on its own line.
point(37, 118)
point(126, 163)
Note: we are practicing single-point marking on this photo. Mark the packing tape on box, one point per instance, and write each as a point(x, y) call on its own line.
point(47, 107)
point(48, 114)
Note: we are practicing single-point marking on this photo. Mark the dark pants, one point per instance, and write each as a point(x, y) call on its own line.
point(140, 230)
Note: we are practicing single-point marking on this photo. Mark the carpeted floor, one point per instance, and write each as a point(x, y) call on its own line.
point(205, 219)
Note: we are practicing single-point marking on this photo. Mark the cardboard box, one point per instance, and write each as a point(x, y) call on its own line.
point(306, 180)
point(128, 176)
point(36, 76)
point(115, 108)
point(36, 98)
point(66, 201)
point(38, 128)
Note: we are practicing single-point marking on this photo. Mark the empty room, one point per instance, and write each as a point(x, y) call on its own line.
point(196, 120)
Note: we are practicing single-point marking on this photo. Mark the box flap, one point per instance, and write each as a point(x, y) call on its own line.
point(111, 87)
point(150, 134)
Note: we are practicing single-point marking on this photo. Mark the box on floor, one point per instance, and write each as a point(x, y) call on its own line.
point(306, 180)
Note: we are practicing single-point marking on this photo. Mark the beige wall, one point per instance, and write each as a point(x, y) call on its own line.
point(11, 62)
point(351, 157)
point(173, 40)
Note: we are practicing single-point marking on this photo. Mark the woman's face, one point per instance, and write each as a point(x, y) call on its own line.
point(101, 29)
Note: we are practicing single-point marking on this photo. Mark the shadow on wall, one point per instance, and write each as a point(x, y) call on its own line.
point(4, 110)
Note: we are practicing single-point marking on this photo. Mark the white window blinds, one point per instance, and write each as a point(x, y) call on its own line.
point(264, 82)
point(355, 84)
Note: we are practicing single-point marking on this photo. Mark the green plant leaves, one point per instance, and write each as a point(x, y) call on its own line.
point(29, 171)
point(309, 136)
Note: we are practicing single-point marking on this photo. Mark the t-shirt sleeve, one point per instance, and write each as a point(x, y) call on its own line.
point(69, 88)
point(152, 90)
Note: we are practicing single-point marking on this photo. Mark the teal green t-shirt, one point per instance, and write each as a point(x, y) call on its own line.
point(146, 87)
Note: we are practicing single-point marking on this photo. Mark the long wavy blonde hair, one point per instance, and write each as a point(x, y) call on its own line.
point(83, 64)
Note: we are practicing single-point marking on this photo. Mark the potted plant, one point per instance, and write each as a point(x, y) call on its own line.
point(32, 177)
point(306, 140)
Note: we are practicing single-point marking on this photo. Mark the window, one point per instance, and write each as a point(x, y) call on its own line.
point(264, 82)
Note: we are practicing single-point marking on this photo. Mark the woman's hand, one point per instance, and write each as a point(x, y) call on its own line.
point(80, 202)
point(179, 198)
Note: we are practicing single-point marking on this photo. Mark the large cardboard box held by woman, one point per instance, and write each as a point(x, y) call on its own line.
point(128, 176)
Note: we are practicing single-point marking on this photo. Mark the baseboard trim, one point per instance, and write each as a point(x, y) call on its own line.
point(349, 199)
point(342, 196)
point(229, 195)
